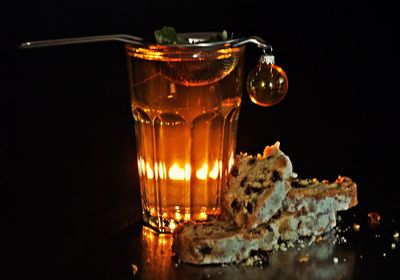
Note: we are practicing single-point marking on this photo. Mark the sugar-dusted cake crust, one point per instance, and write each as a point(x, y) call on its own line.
point(314, 196)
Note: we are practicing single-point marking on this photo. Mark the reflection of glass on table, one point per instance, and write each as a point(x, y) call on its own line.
point(185, 102)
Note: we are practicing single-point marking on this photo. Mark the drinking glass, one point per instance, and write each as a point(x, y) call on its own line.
point(185, 102)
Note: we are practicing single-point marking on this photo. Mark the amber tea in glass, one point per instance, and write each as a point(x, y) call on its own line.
point(185, 103)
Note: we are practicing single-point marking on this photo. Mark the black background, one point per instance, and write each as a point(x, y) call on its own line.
point(69, 142)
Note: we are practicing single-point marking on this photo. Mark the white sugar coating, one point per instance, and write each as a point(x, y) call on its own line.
point(310, 204)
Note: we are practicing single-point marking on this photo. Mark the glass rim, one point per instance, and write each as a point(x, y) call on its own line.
point(198, 50)
point(196, 40)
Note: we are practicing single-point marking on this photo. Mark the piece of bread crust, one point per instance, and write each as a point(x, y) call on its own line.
point(256, 187)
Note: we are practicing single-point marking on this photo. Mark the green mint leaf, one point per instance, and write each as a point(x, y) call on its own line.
point(166, 35)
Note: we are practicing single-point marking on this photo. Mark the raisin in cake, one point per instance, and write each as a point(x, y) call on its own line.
point(256, 187)
point(314, 196)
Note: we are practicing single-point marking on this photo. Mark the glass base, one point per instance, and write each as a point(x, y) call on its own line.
point(167, 224)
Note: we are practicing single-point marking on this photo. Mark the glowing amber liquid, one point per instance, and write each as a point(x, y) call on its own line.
point(185, 137)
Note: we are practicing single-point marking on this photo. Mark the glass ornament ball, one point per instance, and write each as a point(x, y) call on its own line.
point(267, 84)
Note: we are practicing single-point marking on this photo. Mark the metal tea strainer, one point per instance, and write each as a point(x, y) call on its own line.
point(196, 70)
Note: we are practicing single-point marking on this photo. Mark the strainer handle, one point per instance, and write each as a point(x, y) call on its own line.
point(255, 40)
point(79, 40)
point(137, 41)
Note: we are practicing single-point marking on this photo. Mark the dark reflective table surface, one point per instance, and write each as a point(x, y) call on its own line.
point(345, 253)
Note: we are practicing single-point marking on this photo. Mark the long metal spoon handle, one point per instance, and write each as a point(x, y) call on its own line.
point(79, 40)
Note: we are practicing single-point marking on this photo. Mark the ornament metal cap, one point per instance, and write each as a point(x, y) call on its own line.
point(267, 59)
